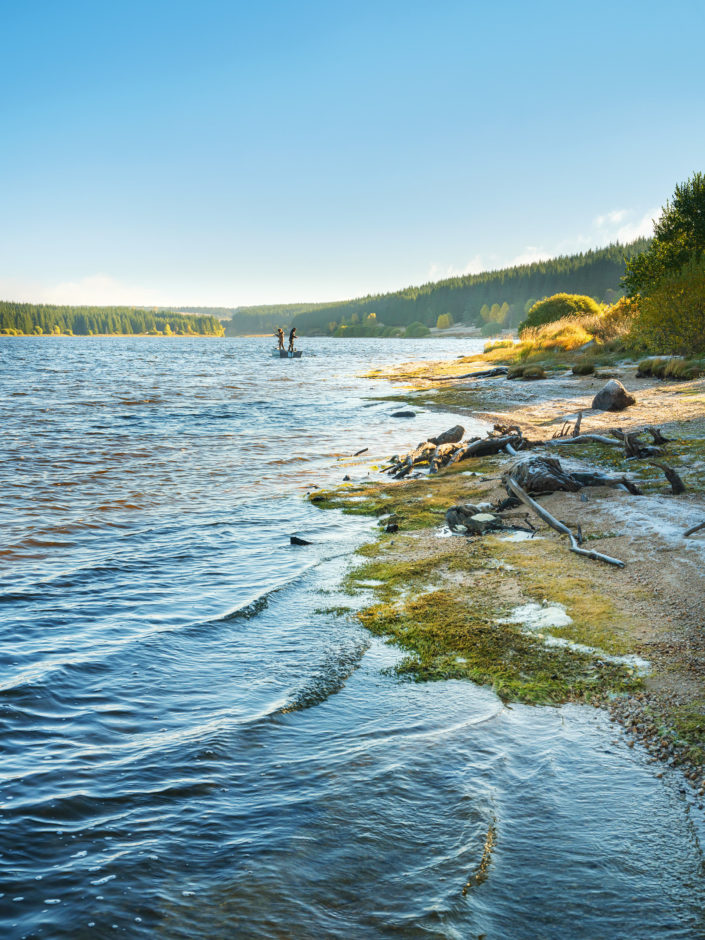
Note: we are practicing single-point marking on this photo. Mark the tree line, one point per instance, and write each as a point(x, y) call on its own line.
point(46, 319)
point(492, 298)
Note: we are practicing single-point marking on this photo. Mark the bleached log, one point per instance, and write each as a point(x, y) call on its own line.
point(586, 439)
point(559, 526)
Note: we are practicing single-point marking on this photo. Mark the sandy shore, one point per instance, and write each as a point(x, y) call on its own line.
point(642, 625)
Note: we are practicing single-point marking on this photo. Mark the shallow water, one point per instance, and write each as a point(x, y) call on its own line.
point(192, 746)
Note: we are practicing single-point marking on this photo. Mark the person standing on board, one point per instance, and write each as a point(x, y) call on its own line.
point(280, 337)
point(292, 337)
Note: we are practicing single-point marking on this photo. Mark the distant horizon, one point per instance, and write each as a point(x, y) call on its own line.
point(325, 301)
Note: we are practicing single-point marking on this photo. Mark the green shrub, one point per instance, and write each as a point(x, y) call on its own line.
point(671, 316)
point(651, 366)
point(557, 307)
point(583, 368)
point(533, 372)
point(526, 372)
point(417, 330)
point(684, 369)
point(490, 329)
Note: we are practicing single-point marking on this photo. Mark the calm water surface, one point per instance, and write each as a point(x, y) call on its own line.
point(193, 747)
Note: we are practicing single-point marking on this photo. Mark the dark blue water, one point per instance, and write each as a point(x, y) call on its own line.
point(194, 745)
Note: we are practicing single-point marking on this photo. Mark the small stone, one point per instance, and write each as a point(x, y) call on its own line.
point(295, 540)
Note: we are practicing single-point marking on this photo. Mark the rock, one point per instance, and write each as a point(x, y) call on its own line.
point(451, 436)
point(468, 518)
point(295, 540)
point(482, 522)
point(391, 527)
point(346, 479)
point(613, 397)
point(457, 515)
point(403, 414)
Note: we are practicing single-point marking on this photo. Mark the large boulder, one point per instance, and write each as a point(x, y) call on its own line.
point(613, 397)
point(451, 436)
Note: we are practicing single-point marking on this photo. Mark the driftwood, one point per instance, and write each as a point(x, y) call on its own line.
point(363, 451)
point(441, 456)
point(694, 528)
point(436, 451)
point(576, 429)
point(585, 439)
point(545, 475)
point(677, 485)
point(484, 374)
point(451, 436)
point(589, 478)
point(657, 435)
point(483, 447)
point(559, 526)
point(542, 475)
point(633, 447)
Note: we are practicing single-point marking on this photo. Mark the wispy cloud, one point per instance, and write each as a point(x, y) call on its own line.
point(92, 290)
point(529, 255)
point(611, 218)
point(438, 272)
point(624, 226)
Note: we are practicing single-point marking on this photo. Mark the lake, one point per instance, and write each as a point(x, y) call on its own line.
point(196, 742)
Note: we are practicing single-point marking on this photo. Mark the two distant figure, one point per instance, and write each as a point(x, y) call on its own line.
point(280, 338)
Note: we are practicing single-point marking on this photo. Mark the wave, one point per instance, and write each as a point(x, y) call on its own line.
point(331, 676)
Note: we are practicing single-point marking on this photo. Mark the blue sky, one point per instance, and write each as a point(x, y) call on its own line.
point(225, 153)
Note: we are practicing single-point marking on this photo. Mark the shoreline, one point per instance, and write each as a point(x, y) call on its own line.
point(459, 606)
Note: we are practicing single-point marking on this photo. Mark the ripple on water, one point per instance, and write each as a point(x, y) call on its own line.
point(195, 745)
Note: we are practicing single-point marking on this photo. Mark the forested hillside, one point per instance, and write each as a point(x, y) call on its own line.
point(40, 319)
point(493, 298)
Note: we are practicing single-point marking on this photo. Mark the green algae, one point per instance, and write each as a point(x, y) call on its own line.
point(450, 637)
point(417, 504)
point(447, 605)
